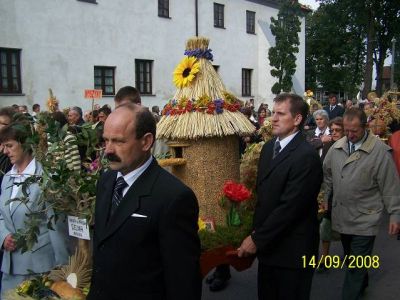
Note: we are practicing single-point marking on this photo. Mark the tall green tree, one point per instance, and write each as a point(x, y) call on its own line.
point(335, 49)
point(378, 21)
point(282, 57)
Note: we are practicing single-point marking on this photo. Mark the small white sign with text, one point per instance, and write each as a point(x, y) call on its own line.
point(78, 228)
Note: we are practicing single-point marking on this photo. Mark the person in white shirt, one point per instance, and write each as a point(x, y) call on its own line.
point(321, 135)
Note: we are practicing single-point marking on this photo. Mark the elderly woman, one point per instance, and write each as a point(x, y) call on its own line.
point(337, 132)
point(51, 247)
point(320, 137)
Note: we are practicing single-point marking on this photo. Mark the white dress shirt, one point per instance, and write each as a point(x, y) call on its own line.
point(286, 140)
point(132, 176)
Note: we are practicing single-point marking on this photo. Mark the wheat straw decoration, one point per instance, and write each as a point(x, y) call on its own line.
point(202, 124)
point(202, 119)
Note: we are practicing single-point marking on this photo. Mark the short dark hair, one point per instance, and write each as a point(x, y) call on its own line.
point(35, 106)
point(130, 93)
point(95, 113)
point(297, 105)
point(145, 122)
point(331, 95)
point(358, 113)
point(105, 109)
point(60, 118)
point(17, 131)
point(337, 121)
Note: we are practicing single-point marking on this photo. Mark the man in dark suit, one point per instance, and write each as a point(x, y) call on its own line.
point(285, 236)
point(333, 109)
point(145, 243)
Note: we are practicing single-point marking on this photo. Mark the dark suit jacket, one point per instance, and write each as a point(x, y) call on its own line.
point(338, 111)
point(143, 258)
point(285, 218)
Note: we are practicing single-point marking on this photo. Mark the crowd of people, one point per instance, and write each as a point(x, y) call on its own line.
point(145, 241)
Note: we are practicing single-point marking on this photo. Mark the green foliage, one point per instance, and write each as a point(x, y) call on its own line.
point(335, 49)
point(64, 191)
point(344, 38)
point(282, 57)
point(227, 235)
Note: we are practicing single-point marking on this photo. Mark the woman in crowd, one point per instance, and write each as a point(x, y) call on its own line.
point(337, 132)
point(262, 114)
point(51, 247)
point(320, 137)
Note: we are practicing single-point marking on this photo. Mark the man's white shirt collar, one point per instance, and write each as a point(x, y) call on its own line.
point(286, 140)
point(132, 176)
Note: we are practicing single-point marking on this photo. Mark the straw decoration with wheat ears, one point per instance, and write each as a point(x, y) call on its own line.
point(201, 106)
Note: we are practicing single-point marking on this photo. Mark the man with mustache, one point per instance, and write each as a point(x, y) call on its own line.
point(145, 243)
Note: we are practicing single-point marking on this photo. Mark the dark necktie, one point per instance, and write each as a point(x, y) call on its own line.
point(117, 194)
point(332, 107)
point(277, 148)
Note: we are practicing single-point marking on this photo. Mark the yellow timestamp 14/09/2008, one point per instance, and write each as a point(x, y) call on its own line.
point(337, 262)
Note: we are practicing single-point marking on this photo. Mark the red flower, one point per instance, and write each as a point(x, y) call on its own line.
point(236, 192)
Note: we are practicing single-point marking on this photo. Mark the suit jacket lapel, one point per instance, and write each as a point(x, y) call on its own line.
point(273, 163)
point(131, 201)
point(103, 202)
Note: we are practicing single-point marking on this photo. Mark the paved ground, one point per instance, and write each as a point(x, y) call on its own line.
point(384, 282)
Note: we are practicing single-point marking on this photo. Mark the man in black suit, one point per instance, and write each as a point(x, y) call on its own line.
point(145, 243)
point(333, 109)
point(285, 236)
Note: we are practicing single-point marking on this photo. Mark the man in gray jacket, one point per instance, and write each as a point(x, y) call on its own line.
point(360, 170)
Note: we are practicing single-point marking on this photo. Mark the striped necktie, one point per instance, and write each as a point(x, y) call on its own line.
point(117, 194)
point(352, 148)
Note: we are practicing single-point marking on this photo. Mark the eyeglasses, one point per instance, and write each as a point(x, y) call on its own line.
point(336, 130)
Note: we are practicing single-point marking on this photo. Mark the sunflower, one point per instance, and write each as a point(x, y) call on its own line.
point(185, 72)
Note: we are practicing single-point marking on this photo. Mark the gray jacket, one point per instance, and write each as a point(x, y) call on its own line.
point(363, 183)
point(51, 248)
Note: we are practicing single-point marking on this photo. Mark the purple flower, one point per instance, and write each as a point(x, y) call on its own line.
point(199, 53)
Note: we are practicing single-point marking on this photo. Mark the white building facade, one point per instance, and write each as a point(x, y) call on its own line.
point(73, 45)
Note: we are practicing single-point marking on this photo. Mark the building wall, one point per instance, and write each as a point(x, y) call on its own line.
point(62, 41)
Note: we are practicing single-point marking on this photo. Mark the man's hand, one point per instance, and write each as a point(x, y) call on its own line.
point(394, 228)
point(9, 243)
point(247, 247)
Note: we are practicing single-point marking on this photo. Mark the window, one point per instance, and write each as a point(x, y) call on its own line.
point(246, 82)
point(104, 79)
point(250, 21)
point(218, 15)
point(163, 8)
point(10, 71)
point(144, 76)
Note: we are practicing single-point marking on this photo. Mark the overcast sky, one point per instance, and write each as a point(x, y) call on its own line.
point(314, 4)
